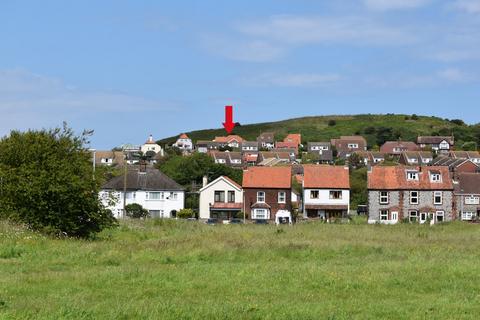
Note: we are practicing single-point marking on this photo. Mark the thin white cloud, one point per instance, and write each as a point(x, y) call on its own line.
point(469, 6)
point(385, 5)
point(454, 75)
point(293, 80)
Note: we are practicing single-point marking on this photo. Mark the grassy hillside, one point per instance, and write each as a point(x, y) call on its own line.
point(323, 128)
point(186, 270)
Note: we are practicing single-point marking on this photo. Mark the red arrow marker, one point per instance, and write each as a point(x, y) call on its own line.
point(229, 125)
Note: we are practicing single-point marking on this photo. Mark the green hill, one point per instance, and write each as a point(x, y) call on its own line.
point(375, 128)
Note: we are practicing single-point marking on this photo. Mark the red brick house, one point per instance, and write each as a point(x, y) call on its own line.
point(267, 192)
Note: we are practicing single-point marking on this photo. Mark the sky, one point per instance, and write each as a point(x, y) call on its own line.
point(127, 69)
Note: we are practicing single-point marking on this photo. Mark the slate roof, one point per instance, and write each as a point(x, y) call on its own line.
point(150, 180)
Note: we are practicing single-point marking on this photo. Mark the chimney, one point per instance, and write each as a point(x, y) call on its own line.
point(205, 181)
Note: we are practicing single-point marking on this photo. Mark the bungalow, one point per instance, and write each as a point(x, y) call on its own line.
point(221, 199)
point(232, 141)
point(184, 143)
point(346, 145)
point(326, 191)
point(416, 158)
point(267, 193)
point(231, 159)
point(416, 194)
point(395, 148)
point(440, 144)
point(148, 187)
point(467, 196)
point(266, 140)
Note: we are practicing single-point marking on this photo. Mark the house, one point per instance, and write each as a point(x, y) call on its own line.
point(232, 141)
point(148, 187)
point(271, 158)
point(326, 191)
point(266, 140)
point(267, 193)
point(221, 199)
point(294, 138)
point(206, 146)
point(231, 159)
point(371, 157)
point(249, 146)
point(474, 156)
point(457, 165)
point(440, 144)
point(184, 143)
point(150, 146)
point(109, 158)
point(395, 148)
point(409, 193)
point(250, 158)
point(346, 145)
point(467, 196)
point(416, 158)
point(292, 147)
point(320, 152)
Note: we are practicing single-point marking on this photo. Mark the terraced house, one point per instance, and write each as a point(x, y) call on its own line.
point(416, 194)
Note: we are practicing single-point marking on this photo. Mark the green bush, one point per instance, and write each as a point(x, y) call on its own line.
point(185, 214)
point(136, 211)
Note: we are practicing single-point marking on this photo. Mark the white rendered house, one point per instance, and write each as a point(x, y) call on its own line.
point(152, 146)
point(184, 143)
point(150, 188)
point(221, 199)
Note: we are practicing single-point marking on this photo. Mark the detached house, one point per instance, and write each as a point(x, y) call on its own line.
point(184, 143)
point(150, 146)
point(417, 194)
point(148, 187)
point(440, 144)
point(232, 141)
point(326, 191)
point(346, 145)
point(395, 148)
point(467, 194)
point(267, 193)
point(221, 199)
point(266, 140)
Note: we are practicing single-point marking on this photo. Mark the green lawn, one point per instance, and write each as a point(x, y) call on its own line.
point(186, 270)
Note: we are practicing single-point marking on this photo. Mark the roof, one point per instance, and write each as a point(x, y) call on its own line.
point(184, 136)
point(266, 137)
point(343, 141)
point(151, 179)
point(418, 154)
point(388, 146)
point(250, 144)
point(117, 156)
point(465, 154)
point(268, 177)
point(227, 179)
point(311, 144)
point(395, 178)
point(228, 139)
point(323, 177)
point(468, 183)
point(435, 139)
point(293, 138)
point(452, 163)
point(226, 206)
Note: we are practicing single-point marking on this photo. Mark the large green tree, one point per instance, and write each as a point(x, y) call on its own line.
point(47, 182)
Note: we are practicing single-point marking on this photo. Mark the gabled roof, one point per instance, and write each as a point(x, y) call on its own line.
point(435, 139)
point(184, 136)
point(323, 177)
point(268, 137)
point(388, 146)
point(468, 183)
point(322, 144)
point(465, 154)
point(294, 138)
point(268, 177)
point(150, 180)
point(395, 178)
point(226, 179)
point(116, 156)
point(228, 139)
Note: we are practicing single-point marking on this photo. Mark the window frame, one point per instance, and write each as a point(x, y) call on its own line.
point(384, 213)
point(416, 197)
point(221, 194)
point(383, 196)
point(264, 196)
point(284, 196)
point(331, 194)
point(231, 199)
point(314, 191)
point(435, 195)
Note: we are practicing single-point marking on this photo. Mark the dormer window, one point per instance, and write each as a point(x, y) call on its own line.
point(435, 177)
point(353, 145)
point(412, 175)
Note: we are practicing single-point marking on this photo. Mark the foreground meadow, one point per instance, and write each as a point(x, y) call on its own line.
point(187, 270)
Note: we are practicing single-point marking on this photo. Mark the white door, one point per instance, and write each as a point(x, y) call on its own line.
point(394, 217)
point(423, 217)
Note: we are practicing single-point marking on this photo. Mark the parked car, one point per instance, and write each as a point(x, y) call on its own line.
point(362, 209)
point(211, 221)
point(236, 221)
point(261, 221)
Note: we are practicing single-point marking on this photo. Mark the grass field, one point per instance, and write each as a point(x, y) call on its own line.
point(186, 270)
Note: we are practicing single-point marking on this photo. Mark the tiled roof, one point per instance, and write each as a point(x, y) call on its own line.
point(323, 176)
point(395, 178)
point(388, 146)
point(266, 137)
point(268, 177)
point(184, 136)
point(468, 183)
point(465, 154)
point(152, 179)
point(229, 139)
point(434, 139)
point(294, 138)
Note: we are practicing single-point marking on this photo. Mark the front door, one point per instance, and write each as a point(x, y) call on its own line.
point(423, 217)
point(394, 217)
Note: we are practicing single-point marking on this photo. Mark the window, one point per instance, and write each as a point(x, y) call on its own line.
point(260, 214)
point(383, 215)
point(383, 197)
point(261, 196)
point(437, 197)
point(314, 194)
point(472, 200)
point(173, 196)
point(155, 196)
point(468, 215)
point(413, 197)
point(335, 194)
point(412, 175)
point(413, 216)
point(231, 196)
point(440, 216)
point(154, 213)
point(131, 195)
point(282, 197)
point(221, 161)
point(353, 145)
point(219, 196)
point(435, 177)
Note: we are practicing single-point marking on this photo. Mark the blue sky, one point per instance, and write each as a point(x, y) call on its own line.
point(130, 68)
